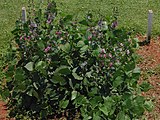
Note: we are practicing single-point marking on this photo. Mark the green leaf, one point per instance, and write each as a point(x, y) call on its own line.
point(34, 93)
point(77, 77)
point(19, 75)
point(149, 105)
point(40, 65)
point(58, 79)
point(121, 116)
point(137, 70)
point(74, 95)
point(84, 49)
point(63, 70)
point(66, 47)
point(63, 104)
point(41, 45)
point(96, 52)
point(117, 81)
point(108, 106)
point(145, 86)
point(80, 44)
point(5, 94)
point(29, 66)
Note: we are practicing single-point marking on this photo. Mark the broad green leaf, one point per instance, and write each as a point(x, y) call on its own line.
point(74, 95)
point(35, 86)
point(137, 70)
point(107, 107)
point(80, 44)
point(149, 105)
point(66, 47)
point(145, 86)
point(63, 70)
point(96, 115)
point(121, 116)
point(58, 79)
point(41, 45)
point(63, 104)
point(19, 74)
point(35, 94)
point(5, 94)
point(117, 81)
point(77, 77)
point(84, 49)
point(40, 65)
point(29, 66)
point(96, 52)
point(20, 86)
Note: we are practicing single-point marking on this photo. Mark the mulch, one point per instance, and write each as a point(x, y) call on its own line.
point(150, 67)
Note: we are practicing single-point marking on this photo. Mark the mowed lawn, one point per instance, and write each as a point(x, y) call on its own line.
point(132, 14)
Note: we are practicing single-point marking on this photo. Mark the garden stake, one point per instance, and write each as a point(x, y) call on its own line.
point(150, 16)
point(147, 41)
point(24, 15)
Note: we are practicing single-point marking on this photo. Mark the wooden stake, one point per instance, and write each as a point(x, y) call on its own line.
point(24, 15)
point(150, 17)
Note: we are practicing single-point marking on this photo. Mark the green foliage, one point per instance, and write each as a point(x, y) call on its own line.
point(62, 66)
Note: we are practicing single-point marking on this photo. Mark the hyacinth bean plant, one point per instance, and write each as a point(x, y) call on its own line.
point(70, 69)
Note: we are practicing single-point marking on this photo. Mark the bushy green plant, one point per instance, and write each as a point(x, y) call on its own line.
point(71, 69)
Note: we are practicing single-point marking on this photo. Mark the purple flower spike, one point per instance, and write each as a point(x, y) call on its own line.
point(47, 49)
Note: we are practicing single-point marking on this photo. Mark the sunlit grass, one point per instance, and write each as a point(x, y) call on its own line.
point(131, 13)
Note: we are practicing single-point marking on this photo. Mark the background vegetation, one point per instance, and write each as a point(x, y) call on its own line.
point(132, 13)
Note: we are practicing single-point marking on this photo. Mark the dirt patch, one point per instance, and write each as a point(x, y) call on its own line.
point(150, 66)
point(3, 111)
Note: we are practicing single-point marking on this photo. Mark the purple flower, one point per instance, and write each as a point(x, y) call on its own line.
point(114, 24)
point(58, 32)
point(47, 49)
point(100, 55)
point(110, 55)
point(21, 37)
point(49, 21)
point(89, 37)
point(110, 64)
point(104, 55)
point(103, 51)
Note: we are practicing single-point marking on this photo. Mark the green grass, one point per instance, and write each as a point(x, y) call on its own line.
point(131, 14)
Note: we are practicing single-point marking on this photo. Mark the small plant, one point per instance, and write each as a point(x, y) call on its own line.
point(61, 68)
